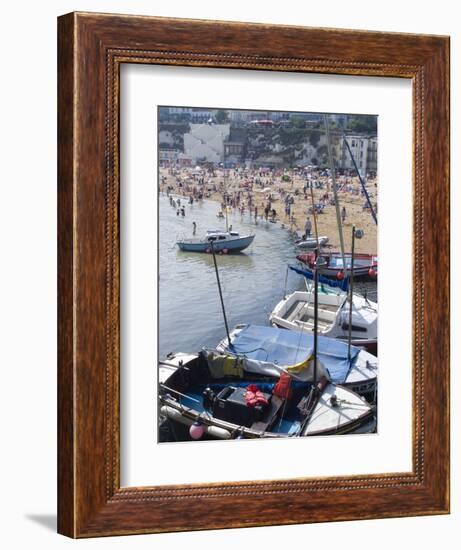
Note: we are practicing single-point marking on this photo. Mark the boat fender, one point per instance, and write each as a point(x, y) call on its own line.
point(372, 272)
point(219, 433)
point(340, 275)
point(197, 431)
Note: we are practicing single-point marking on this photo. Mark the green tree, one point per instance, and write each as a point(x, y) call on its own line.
point(221, 116)
point(297, 121)
point(366, 124)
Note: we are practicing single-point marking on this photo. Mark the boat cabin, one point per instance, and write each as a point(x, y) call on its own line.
point(213, 236)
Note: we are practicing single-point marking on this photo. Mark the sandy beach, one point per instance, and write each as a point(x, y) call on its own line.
point(248, 190)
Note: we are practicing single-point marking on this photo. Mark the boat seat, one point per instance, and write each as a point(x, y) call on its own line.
point(294, 312)
point(327, 313)
point(269, 415)
point(310, 324)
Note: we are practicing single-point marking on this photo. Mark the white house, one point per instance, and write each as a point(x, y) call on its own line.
point(359, 147)
point(206, 142)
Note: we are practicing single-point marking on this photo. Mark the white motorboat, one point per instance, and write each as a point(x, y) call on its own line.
point(311, 242)
point(296, 312)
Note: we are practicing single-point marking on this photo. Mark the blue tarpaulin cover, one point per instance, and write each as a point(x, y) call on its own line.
point(288, 347)
point(309, 274)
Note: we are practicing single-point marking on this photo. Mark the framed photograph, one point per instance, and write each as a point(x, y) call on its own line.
point(227, 356)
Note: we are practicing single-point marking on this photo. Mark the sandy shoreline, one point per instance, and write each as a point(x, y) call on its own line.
point(253, 188)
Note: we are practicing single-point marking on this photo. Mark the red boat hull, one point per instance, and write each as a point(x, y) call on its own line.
point(365, 265)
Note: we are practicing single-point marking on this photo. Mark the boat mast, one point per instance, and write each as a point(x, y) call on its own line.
point(316, 319)
point(227, 221)
point(315, 216)
point(220, 293)
point(333, 178)
point(351, 295)
point(315, 391)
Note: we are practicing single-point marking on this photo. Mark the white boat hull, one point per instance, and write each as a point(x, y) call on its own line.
point(296, 312)
point(311, 242)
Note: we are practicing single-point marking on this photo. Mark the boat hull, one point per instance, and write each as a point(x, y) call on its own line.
point(365, 265)
point(357, 417)
point(295, 312)
point(312, 242)
point(183, 420)
point(181, 407)
point(234, 245)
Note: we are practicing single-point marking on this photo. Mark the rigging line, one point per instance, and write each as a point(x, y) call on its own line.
point(335, 193)
point(179, 393)
point(286, 281)
point(220, 292)
point(365, 192)
point(301, 334)
point(315, 216)
point(351, 296)
point(245, 352)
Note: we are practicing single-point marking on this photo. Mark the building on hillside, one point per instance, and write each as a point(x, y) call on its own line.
point(235, 146)
point(194, 114)
point(201, 115)
point(241, 116)
point(166, 139)
point(205, 142)
point(168, 157)
point(358, 145)
point(372, 155)
point(179, 110)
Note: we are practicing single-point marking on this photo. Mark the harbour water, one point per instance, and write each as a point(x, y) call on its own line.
point(190, 315)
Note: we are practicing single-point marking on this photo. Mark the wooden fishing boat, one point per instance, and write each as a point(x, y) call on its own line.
point(215, 396)
point(331, 264)
point(222, 241)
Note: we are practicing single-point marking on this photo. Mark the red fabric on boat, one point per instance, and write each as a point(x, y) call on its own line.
point(254, 396)
point(282, 388)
